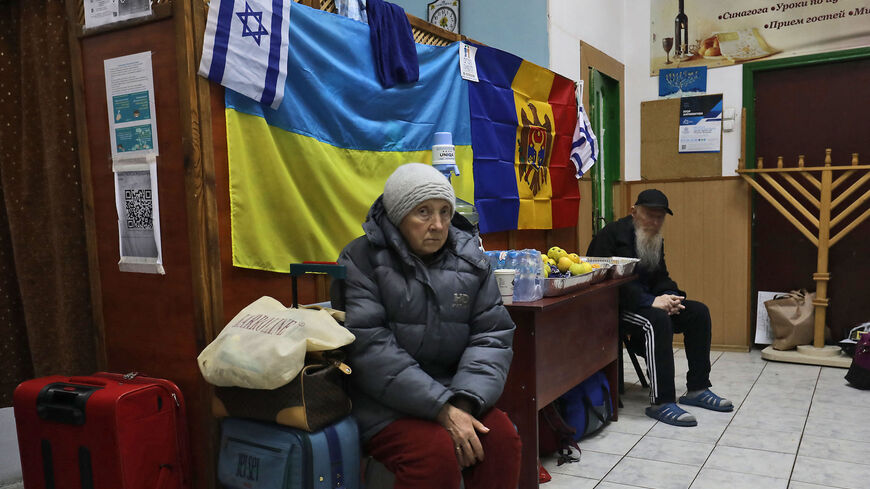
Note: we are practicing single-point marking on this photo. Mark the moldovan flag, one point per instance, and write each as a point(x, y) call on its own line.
point(245, 47)
point(523, 119)
point(303, 176)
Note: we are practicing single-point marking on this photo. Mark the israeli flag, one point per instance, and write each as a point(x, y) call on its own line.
point(245, 47)
point(584, 148)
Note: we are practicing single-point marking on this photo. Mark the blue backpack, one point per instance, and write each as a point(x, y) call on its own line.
point(587, 406)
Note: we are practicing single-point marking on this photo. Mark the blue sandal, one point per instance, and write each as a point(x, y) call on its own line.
point(708, 400)
point(670, 413)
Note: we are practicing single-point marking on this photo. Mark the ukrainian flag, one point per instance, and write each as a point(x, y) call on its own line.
point(303, 176)
point(523, 118)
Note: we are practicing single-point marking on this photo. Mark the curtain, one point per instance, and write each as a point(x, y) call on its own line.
point(45, 313)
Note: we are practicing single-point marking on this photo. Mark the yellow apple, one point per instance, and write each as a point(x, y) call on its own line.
point(564, 263)
point(553, 252)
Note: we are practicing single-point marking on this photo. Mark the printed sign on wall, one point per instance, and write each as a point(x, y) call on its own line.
point(688, 33)
point(700, 124)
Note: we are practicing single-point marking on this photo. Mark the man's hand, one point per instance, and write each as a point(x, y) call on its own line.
point(463, 429)
point(669, 303)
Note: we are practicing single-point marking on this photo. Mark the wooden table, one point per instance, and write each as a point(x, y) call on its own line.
point(559, 342)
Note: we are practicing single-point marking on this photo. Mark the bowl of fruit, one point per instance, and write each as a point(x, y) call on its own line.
point(565, 272)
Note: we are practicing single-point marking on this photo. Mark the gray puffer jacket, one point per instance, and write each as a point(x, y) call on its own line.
point(425, 332)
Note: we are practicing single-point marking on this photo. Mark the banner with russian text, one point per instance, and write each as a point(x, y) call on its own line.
point(713, 33)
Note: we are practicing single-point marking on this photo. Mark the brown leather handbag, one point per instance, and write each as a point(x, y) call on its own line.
point(314, 399)
point(791, 319)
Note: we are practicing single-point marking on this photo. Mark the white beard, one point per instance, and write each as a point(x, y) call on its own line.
point(649, 248)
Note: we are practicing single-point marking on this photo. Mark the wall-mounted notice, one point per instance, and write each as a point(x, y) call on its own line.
point(101, 12)
point(138, 215)
point(130, 100)
point(714, 34)
point(700, 124)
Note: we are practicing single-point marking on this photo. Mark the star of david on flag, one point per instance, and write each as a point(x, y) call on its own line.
point(245, 47)
point(258, 18)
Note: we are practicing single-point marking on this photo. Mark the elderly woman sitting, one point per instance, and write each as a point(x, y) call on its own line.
point(433, 341)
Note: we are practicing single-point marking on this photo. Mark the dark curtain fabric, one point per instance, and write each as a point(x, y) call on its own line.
point(45, 313)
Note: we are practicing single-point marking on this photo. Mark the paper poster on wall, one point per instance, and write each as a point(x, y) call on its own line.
point(101, 12)
point(130, 100)
point(677, 82)
point(714, 34)
point(700, 124)
point(138, 215)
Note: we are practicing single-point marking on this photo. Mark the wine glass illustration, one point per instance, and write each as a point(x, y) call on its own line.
point(667, 44)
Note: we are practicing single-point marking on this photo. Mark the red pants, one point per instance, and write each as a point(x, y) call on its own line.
point(422, 456)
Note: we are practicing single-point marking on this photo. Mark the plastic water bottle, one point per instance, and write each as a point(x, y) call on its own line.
point(492, 256)
point(538, 271)
point(512, 260)
point(521, 281)
point(524, 288)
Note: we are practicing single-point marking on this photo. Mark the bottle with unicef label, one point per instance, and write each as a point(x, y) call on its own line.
point(444, 153)
point(444, 160)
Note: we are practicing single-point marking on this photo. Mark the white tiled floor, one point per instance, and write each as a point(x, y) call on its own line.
point(794, 427)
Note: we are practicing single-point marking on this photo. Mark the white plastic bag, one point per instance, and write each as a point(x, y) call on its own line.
point(264, 346)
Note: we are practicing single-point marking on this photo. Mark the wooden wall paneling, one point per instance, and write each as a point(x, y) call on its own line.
point(584, 222)
point(149, 320)
point(707, 249)
point(202, 188)
point(530, 238)
point(201, 210)
point(495, 241)
point(73, 27)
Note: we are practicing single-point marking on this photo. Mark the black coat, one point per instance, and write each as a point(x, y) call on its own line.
point(617, 239)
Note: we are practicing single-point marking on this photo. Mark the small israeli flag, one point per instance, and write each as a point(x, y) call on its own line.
point(245, 47)
point(584, 148)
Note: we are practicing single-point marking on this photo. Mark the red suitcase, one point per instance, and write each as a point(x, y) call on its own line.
point(104, 431)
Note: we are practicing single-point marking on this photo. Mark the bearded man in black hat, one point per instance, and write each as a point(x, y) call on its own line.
point(653, 308)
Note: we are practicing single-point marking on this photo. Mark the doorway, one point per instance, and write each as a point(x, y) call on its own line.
point(604, 100)
point(801, 106)
point(604, 116)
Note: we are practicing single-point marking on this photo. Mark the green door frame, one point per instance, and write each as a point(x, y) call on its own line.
point(750, 69)
point(604, 114)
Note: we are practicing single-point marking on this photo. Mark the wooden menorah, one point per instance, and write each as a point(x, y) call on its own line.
point(821, 220)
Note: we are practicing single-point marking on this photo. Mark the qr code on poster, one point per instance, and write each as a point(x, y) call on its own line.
point(138, 204)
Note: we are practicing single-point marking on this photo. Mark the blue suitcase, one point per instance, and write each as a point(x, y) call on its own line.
point(258, 455)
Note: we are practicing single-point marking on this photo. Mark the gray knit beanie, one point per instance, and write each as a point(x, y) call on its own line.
point(411, 184)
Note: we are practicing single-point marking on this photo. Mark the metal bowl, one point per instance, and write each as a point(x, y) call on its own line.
point(622, 267)
point(563, 285)
point(604, 263)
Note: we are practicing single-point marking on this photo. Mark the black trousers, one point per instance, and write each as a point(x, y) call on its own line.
point(657, 329)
